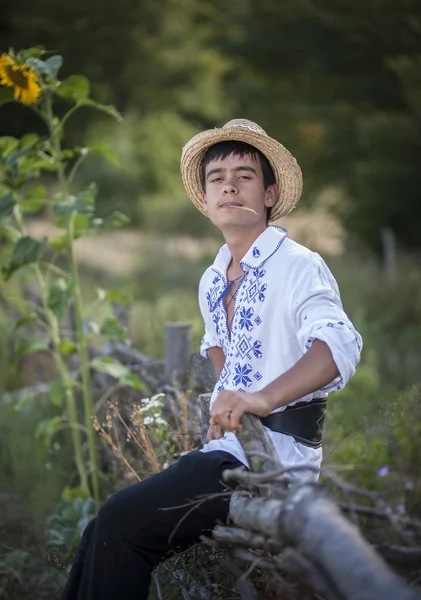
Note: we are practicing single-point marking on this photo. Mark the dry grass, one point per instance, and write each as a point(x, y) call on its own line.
point(120, 252)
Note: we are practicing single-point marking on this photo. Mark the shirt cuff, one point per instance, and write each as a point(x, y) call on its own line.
point(345, 345)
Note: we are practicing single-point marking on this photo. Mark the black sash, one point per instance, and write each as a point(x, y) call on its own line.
point(303, 421)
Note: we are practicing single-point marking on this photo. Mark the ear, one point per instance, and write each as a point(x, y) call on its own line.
point(205, 202)
point(271, 195)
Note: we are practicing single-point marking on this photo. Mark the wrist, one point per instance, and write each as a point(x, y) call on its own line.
point(273, 397)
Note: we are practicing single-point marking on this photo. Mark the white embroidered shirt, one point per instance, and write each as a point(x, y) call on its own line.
point(286, 298)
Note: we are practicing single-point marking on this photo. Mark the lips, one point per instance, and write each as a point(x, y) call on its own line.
point(230, 204)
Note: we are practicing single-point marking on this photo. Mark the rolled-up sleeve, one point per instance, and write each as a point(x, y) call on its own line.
point(209, 339)
point(319, 315)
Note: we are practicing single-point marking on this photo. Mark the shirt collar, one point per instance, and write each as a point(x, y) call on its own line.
point(268, 242)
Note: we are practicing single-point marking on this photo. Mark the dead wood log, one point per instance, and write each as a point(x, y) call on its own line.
point(256, 443)
point(310, 522)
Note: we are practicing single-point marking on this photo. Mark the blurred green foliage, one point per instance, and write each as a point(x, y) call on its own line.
point(338, 83)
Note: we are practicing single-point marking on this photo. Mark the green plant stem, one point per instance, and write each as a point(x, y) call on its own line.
point(66, 379)
point(55, 132)
point(84, 362)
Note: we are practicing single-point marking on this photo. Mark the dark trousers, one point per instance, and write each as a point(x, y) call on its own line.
point(130, 535)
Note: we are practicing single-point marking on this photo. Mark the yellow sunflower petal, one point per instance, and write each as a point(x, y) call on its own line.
point(19, 76)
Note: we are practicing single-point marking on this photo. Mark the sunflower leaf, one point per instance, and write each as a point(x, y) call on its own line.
point(106, 108)
point(34, 198)
point(104, 150)
point(76, 87)
point(25, 251)
point(116, 296)
point(39, 65)
point(54, 65)
point(58, 242)
point(59, 298)
point(8, 144)
point(46, 430)
point(84, 207)
point(7, 204)
point(31, 344)
point(115, 219)
point(113, 329)
point(34, 52)
point(110, 366)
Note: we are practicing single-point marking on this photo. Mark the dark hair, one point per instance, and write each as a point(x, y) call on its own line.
point(222, 150)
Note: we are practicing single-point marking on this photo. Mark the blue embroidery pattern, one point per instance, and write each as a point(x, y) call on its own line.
point(256, 252)
point(256, 287)
point(256, 349)
point(216, 318)
point(241, 376)
point(225, 373)
point(245, 318)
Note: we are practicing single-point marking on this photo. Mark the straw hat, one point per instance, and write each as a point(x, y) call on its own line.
point(285, 168)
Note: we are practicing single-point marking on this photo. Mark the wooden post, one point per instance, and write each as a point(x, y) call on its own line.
point(177, 352)
point(204, 400)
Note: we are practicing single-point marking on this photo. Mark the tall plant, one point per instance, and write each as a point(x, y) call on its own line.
point(31, 77)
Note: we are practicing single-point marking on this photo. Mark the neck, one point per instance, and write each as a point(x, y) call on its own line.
point(239, 243)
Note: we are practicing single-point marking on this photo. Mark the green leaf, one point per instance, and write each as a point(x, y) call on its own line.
point(83, 204)
point(6, 95)
point(116, 369)
point(57, 390)
point(28, 140)
point(108, 109)
point(8, 144)
point(59, 297)
point(58, 242)
point(116, 296)
point(46, 430)
point(133, 381)
point(112, 329)
point(67, 347)
point(71, 205)
point(69, 494)
point(7, 204)
point(11, 233)
point(110, 366)
point(115, 219)
point(104, 150)
point(30, 344)
point(33, 52)
point(13, 158)
point(34, 198)
point(76, 87)
point(54, 65)
point(25, 251)
point(32, 317)
point(40, 66)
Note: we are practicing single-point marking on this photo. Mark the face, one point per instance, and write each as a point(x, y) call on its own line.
point(233, 182)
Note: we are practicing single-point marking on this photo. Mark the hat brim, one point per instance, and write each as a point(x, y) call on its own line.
point(287, 172)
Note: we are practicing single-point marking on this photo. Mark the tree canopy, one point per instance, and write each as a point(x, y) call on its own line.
point(337, 82)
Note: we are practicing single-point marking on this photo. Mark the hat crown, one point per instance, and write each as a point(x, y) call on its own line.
point(244, 123)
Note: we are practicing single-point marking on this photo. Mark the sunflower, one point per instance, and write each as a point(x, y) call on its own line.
point(19, 76)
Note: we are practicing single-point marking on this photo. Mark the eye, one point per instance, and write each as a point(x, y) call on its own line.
point(244, 177)
point(216, 179)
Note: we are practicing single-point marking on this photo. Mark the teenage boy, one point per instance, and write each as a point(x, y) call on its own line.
point(279, 341)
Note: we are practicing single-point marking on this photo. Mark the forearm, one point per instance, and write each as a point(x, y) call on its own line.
point(217, 358)
point(313, 371)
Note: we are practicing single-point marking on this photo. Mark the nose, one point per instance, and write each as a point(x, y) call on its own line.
point(230, 187)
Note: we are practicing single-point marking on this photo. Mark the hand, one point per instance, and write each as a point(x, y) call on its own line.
point(215, 432)
point(230, 406)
